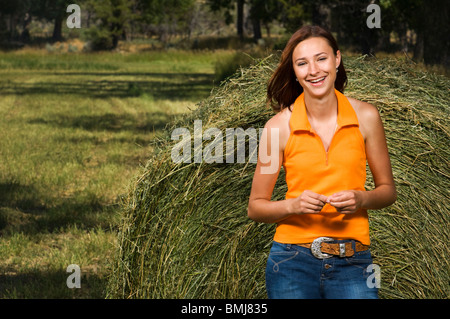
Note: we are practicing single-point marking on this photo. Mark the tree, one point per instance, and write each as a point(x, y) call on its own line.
point(13, 14)
point(51, 10)
point(421, 26)
point(228, 7)
point(261, 12)
point(429, 19)
point(111, 22)
point(296, 13)
point(170, 17)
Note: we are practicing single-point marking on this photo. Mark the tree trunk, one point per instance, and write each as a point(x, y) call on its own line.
point(267, 27)
point(256, 23)
point(418, 48)
point(436, 32)
point(57, 29)
point(115, 41)
point(240, 18)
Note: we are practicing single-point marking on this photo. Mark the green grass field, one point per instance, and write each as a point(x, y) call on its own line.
point(75, 129)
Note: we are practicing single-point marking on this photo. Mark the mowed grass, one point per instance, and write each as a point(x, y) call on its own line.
point(75, 129)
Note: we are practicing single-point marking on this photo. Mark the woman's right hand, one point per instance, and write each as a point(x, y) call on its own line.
point(308, 203)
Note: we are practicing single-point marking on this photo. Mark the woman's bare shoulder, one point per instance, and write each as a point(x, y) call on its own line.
point(367, 113)
point(368, 116)
point(280, 120)
point(363, 109)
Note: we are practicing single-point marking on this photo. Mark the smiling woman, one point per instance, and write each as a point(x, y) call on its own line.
point(283, 87)
point(325, 141)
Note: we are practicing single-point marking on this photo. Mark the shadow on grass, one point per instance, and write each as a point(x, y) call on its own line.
point(23, 209)
point(14, 194)
point(39, 284)
point(109, 122)
point(168, 86)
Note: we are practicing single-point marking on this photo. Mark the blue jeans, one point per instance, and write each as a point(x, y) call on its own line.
point(292, 272)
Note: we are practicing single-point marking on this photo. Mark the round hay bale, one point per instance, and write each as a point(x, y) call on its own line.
point(185, 231)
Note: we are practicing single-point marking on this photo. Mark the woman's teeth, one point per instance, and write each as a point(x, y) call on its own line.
point(318, 80)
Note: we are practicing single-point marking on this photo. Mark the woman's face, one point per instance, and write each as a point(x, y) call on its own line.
point(315, 66)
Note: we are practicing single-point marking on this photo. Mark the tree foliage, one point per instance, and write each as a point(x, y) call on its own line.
point(170, 17)
point(419, 27)
point(112, 20)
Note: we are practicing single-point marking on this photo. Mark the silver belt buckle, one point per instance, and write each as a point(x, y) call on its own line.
point(316, 249)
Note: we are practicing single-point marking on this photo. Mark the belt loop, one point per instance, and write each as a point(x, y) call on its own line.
point(288, 246)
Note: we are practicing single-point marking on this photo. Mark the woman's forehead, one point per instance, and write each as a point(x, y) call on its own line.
point(311, 47)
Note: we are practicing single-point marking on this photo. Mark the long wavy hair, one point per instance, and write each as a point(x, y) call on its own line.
point(283, 89)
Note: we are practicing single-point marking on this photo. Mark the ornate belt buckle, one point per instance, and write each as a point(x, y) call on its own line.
point(316, 249)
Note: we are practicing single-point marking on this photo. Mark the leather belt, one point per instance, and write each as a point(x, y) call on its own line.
point(321, 248)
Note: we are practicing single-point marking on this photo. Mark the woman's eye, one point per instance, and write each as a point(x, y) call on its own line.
point(301, 63)
point(322, 59)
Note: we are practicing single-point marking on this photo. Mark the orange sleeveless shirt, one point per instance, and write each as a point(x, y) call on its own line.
point(309, 167)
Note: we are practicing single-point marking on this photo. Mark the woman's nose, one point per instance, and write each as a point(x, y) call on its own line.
point(313, 69)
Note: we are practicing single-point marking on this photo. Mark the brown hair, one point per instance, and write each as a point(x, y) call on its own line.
point(283, 88)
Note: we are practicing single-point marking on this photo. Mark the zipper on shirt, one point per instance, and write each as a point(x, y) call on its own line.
point(329, 146)
point(331, 143)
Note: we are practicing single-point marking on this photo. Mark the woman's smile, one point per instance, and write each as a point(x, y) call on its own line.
point(317, 81)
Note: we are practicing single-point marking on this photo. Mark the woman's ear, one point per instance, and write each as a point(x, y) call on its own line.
point(338, 58)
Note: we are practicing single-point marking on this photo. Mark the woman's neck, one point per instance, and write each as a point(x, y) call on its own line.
point(323, 108)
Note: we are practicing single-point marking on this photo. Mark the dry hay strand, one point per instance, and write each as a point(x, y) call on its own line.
point(185, 231)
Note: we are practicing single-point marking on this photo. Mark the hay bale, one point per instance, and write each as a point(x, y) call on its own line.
point(185, 231)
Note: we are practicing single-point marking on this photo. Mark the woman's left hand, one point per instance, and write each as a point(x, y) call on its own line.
point(346, 202)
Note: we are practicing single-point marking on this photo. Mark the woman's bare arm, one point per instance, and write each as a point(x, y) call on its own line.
point(379, 162)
